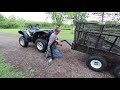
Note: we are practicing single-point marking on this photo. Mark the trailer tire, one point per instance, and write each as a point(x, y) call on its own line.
point(116, 71)
point(97, 63)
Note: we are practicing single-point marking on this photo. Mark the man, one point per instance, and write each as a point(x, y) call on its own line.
point(53, 37)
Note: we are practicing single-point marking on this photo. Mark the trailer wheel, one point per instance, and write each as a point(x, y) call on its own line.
point(96, 63)
point(116, 71)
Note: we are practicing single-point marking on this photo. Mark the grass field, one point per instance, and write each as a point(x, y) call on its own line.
point(64, 34)
point(6, 71)
point(9, 31)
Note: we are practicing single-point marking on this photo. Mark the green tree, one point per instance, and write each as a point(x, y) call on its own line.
point(76, 16)
point(2, 18)
point(57, 17)
point(12, 18)
point(2, 21)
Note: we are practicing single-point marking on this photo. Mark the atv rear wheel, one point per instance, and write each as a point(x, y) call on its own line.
point(23, 42)
point(41, 45)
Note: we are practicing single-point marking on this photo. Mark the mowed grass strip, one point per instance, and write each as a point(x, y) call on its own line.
point(64, 34)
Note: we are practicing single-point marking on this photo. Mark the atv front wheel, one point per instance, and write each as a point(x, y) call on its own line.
point(23, 42)
point(41, 45)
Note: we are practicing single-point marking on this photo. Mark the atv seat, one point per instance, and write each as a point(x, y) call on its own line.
point(30, 32)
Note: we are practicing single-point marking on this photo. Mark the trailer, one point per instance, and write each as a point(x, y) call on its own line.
point(101, 42)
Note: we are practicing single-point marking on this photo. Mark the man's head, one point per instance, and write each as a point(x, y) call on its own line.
point(57, 30)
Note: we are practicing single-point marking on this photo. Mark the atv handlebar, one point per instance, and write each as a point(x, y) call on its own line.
point(31, 26)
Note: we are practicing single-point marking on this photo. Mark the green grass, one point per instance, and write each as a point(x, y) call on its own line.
point(64, 34)
point(10, 31)
point(6, 71)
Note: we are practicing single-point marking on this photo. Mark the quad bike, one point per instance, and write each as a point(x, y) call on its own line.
point(35, 35)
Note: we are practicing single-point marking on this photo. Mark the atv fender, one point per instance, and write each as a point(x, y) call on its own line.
point(24, 33)
point(41, 33)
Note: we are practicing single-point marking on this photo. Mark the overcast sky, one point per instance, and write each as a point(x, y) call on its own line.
point(34, 16)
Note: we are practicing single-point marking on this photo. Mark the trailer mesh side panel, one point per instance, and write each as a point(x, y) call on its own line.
point(104, 37)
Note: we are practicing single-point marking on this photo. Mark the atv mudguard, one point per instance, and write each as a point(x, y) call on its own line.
point(43, 32)
point(39, 32)
point(24, 33)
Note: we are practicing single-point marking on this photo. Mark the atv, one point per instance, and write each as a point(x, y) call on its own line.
point(35, 35)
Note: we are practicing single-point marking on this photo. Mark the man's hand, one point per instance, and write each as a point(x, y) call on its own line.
point(59, 42)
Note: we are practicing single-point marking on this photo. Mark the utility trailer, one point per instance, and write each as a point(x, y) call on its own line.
point(101, 43)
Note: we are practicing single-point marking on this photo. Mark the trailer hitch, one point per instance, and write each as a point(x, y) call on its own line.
point(66, 42)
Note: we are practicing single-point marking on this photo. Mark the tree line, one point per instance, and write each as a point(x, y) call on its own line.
point(14, 23)
point(58, 18)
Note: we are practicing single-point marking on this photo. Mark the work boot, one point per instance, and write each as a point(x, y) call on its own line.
point(47, 54)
